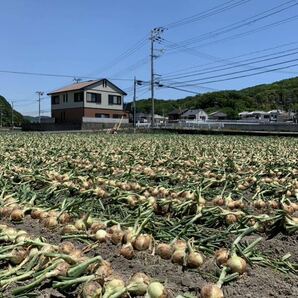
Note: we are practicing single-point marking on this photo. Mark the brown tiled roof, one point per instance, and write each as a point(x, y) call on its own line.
point(75, 86)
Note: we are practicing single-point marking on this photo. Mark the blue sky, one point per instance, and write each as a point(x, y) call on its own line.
point(84, 38)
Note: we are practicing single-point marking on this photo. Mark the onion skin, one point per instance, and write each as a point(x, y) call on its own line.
point(69, 229)
point(237, 264)
point(17, 215)
point(178, 257)
point(66, 247)
point(194, 260)
point(221, 256)
point(97, 226)
point(64, 218)
point(164, 251)
point(231, 218)
point(142, 242)
point(156, 290)
point(51, 222)
point(127, 251)
point(179, 245)
point(80, 225)
point(211, 291)
point(103, 271)
point(101, 236)
point(117, 237)
point(6, 211)
point(35, 213)
point(138, 284)
point(91, 289)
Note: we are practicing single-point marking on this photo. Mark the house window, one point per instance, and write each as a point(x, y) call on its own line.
point(55, 100)
point(117, 116)
point(104, 83)
point(65, 97)
point(94, 97)
point(114, 100)
point(97, 115)
point(78, 96)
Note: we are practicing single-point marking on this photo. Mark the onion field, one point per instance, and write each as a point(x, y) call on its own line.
point(140, 215)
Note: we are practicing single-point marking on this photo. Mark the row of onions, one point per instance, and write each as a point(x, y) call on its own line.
point(181, 198)
point(33, 261)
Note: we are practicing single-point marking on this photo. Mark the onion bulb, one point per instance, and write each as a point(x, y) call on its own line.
point(237, 264)
point(17, 215)
point(231, 218)
point(194, 260)
point(142, 242)
point(101, 235)
point(164, 251)
point(156, 290)
point(211, 291)
point(179, 245)
point(114, 288)
point(51, 222)
point(116, 237)
point(103, 271)
point(138, 284)
point(178, 257)
point(97, 225)
point(127, 251)
point(91, 289)
point(64, 218)
point(66, 247)
point(80, 224)
point(69, 229)
point(221, 256)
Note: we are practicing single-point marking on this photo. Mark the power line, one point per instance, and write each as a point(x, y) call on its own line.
point(238, 77)
point(238, 35)
point(236, 65)
point(245, 22)
point(180, 71)
point(58, 75)
point(138, 45)
point(207, 13)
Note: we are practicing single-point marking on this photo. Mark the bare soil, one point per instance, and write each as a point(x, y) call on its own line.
point(260, 282)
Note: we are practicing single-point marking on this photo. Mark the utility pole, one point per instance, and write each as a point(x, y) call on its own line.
point(12, 115)
point(40, 93)
point(155, 36)
point(134, 101)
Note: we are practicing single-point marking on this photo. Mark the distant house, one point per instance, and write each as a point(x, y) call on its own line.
point(218, 116)
point(271, 116)
point(96, 101)
point(176, 114)
point(255, 116)
point(196, 114)
point(281, 116)
point(147, 118)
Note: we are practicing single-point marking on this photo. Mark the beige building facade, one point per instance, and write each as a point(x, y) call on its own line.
point(100, 99)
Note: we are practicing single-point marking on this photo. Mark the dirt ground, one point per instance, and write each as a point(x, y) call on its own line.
point(259, 282)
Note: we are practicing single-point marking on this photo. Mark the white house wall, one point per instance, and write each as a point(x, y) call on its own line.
point(104, 91)
point(70, 104)
point(98, 88)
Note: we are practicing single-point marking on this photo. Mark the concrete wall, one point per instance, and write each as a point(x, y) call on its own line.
point(263, 127)
point(104, 120)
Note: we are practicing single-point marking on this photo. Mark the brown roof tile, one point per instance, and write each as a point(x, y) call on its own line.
point(74, 87)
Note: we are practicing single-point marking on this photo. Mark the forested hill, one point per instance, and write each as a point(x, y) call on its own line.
point(5, 108)
point(282, 95)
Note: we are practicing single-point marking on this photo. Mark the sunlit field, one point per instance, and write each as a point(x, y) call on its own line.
point(95, 215)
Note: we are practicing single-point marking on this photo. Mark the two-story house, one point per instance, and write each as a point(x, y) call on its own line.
point(98, 101)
